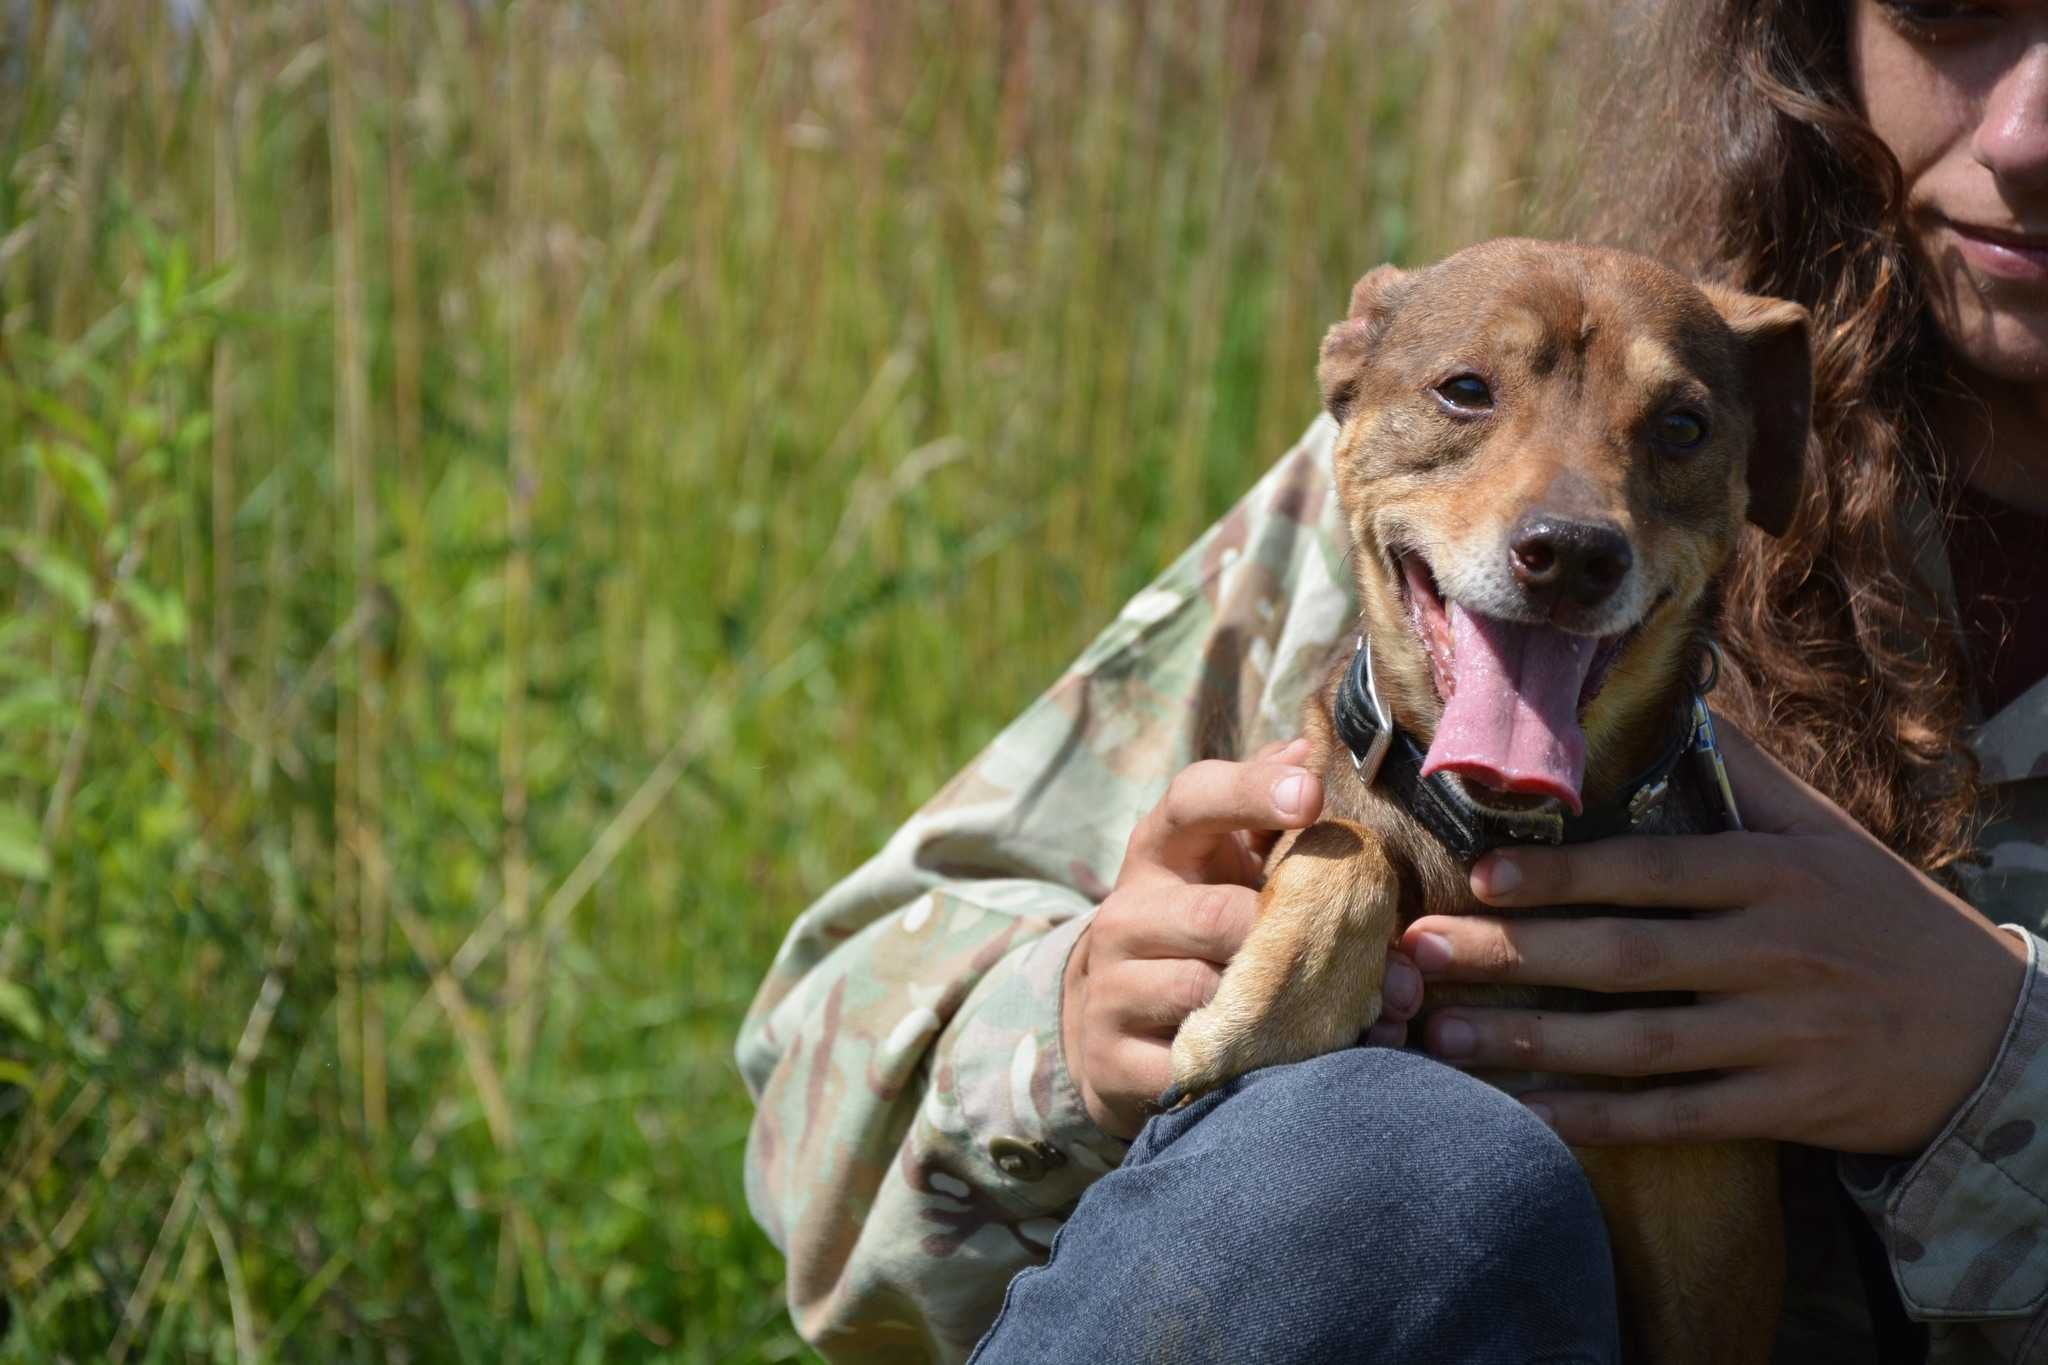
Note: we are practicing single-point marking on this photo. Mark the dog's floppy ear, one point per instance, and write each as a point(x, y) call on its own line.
point(1777, 366)
point(1348, 344)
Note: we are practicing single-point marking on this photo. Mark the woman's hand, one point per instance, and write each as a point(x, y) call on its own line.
point(1843, 999)
point(1183, 902)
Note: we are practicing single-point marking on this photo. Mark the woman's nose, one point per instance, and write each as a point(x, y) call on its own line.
point(2011, 140)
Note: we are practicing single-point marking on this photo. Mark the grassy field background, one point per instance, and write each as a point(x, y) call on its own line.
point(502, 503)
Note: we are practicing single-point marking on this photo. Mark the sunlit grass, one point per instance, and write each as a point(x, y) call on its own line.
point(504, 503)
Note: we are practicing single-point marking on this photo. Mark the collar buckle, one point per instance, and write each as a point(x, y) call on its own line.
point(1368, 763)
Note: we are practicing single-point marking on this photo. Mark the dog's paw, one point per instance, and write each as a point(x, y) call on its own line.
point(1239, 1032)
point(1207, 1052)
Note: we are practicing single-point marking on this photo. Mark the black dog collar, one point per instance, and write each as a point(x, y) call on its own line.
point(1671, 796)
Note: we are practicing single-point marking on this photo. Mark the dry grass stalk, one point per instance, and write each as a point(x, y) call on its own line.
point(124, 1141)
point(36, 1159)
point(175, 1226)
point(359, 861)
point(220, 36)
point(469, 1030)
point(240, 1314)
point(525, 28)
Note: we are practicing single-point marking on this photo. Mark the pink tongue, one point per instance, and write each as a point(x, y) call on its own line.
point(1512, 722)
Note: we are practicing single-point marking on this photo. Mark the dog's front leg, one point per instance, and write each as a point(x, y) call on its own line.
point(1307, 980)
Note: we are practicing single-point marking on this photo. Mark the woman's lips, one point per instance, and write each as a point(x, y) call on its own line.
point(2003, 254)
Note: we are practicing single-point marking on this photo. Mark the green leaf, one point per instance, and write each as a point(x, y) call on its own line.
point(122, 943)
point(163, 615)
point(18, 1007)
point(193, 432)
point(16, 1073)
point(21, 846)
point(141, 424)
point(61, 577)
point(80, 358)
point(33, 702)
point(216, 287)
point(23, 641)
point(63, 417)
point(149, 313)
point(177, 274)
point(80, 476)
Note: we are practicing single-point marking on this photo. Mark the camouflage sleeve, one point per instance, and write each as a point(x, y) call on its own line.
point(917, 1138)
point(1966, 1225)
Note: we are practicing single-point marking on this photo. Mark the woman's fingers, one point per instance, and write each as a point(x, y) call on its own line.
point(1176, 920)
point(1400, 999)
point(1736, 1106)
point(1130, 1079)
point(1387, 1033)
point(1400, 989)
point(1209, 924)
point(1216, 797)
point(1641, 1042)
point(1212, 801)
point(1294, 750)
point(1698, 872)
point(1153, 995)
point(1599, 954)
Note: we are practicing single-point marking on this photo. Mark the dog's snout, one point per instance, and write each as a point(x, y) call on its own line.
point(1581, 560)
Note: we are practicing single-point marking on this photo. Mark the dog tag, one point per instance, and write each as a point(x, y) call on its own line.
point(1644, 803)
point(1530, 826)
point(1709, 755)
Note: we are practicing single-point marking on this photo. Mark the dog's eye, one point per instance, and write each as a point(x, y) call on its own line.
point(1681, 430)
point(1466, 393)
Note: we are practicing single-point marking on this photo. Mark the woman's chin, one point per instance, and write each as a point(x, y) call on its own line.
point(2004, 339)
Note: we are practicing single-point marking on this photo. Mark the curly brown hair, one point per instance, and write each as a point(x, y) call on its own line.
point(1732, 146)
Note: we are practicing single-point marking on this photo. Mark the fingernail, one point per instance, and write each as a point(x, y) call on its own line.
point(1497, 876)
point(1432, 952)
point(1542, 1112)
point(1290, 794)
point(1454, 1039)
point(1403, 986)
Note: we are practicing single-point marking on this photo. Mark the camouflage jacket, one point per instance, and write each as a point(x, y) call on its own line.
point(918, 1139)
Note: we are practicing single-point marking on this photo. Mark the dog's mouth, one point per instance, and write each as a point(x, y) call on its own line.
point(1513, 695)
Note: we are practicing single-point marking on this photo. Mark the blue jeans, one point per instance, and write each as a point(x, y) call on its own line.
point(1369, 1205)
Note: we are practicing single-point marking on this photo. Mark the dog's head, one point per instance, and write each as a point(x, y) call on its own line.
point(1546, 453)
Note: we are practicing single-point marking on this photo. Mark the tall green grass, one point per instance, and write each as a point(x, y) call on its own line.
point(504, 502)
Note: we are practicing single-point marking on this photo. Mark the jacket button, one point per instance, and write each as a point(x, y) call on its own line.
point(1026, 1161)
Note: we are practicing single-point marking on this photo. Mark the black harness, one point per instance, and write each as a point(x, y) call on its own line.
point(1671, 796)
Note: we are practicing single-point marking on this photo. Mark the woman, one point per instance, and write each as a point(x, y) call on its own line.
point(958, 1041)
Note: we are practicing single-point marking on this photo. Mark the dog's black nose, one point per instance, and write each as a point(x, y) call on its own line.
point(1583, 560)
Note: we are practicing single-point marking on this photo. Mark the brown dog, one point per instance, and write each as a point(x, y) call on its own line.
point(1546, 453)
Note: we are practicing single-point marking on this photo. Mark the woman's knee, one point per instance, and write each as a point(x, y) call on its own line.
point(1296, 1204)
point(1372, 1135)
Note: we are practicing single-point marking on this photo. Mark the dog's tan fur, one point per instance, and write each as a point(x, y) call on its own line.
point(1581, 349)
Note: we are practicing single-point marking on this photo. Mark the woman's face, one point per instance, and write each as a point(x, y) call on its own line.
point(1959, 91)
